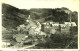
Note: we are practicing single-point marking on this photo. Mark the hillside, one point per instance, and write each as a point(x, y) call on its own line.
point(12, 16)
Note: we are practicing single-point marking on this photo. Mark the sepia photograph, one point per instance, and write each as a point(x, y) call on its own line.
point(39, 28)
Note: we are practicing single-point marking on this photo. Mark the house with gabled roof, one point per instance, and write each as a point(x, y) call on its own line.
point(65, 28)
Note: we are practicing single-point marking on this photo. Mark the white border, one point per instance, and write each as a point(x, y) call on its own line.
point(5, 1)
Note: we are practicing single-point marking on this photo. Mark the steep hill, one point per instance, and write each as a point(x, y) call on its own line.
point(12, 16)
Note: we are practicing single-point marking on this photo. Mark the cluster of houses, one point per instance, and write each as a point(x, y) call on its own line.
point(49, 27)
point(56, 27)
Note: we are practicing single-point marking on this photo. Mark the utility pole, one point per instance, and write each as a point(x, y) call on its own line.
point(70, 24)
point(6, 43)
point(70, 18)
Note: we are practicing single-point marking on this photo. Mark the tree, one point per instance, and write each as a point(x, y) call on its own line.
point(60, 16)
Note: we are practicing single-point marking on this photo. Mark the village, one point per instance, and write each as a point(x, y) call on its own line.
point(32, 32)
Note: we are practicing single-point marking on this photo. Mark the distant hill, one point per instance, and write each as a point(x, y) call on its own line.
point(48, 14)
point(58, 14)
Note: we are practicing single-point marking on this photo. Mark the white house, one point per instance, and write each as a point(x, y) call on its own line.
point(55, 24)
point(70, 23)
point(63, 25)
point(65, 28)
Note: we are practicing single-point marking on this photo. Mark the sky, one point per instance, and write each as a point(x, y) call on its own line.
point(73, 5)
